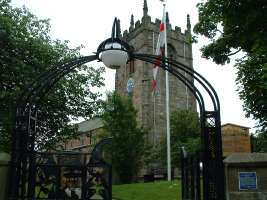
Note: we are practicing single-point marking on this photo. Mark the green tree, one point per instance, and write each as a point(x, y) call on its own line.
point(185, 132)
point(127, 137)
point(259, 142)
point(233, 26)
point(27, 51)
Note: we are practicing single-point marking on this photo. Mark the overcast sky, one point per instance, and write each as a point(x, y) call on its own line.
point(89, 22)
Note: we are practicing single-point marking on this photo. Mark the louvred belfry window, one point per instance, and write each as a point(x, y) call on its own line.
point(131, 67)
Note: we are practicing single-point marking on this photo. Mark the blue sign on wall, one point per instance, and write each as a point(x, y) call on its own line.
point(247, 181)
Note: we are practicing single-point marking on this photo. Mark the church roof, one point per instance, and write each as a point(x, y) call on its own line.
point(236, 125)
point(90, 125)
point(251, 158)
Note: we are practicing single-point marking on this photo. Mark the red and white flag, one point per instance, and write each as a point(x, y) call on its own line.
point(159, 49)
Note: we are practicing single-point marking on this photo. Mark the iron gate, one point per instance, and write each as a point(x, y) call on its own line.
point(191, 176)
point(66, 175)
point(69, 175)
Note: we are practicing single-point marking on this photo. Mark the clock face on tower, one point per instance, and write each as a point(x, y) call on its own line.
point(130, 85)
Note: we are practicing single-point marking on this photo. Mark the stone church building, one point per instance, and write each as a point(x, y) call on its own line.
point(142, 36)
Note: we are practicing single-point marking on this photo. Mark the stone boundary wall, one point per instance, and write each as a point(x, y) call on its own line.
point(4, 161)
point(248, 163)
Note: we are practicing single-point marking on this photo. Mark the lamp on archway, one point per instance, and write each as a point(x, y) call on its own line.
point(114, 52)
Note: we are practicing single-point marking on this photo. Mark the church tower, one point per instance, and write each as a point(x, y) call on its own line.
point(142, 36)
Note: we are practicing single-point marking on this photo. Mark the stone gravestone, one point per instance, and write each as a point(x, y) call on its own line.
point(246, 176)
point(4, 159)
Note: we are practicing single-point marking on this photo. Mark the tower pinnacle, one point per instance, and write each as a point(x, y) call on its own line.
point(188, 25)
point(167, 18)
point(131, 23)
point(132, 20)
point(145, 9)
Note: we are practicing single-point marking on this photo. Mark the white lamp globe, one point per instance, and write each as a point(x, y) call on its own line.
point(114, 57)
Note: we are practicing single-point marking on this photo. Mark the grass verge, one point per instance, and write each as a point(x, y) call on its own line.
point(160, 190)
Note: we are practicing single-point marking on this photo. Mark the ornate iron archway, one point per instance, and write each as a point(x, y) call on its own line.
point(22, 163)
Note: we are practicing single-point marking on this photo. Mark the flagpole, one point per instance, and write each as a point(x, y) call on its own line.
point(167, 101)
point(154, 97)
point(186, 89)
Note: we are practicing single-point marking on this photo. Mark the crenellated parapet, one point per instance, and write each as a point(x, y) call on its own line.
point(146, 24)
